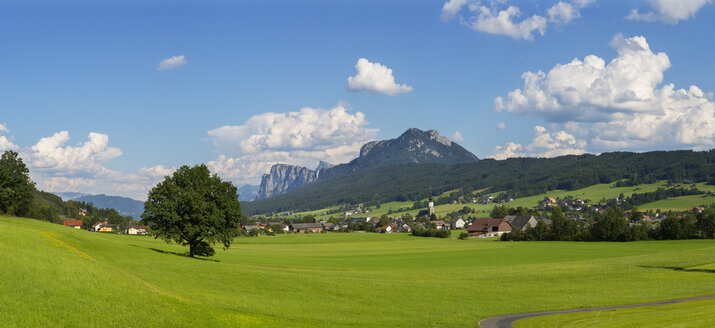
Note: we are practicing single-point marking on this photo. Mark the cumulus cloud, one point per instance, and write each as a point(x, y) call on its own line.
point(301, 138)
point(544, 144)
point(451, 8)
point(620, 103)
point(50, 153)
point(376, 78)
point(501, 126)
point(669, 11)
point(457, 136)
point(5, 143)
point(493, 18)
point(57, 167)
point(171, 63)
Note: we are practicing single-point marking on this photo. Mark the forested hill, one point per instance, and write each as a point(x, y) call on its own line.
point(519, 176)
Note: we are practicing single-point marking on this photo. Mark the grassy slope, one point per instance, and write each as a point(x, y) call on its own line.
point(57, 276)
point(595, 193)
point(690, 314)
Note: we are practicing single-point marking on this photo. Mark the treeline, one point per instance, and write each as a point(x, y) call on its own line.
point(613, 226)
point(19, 197)
point(517, 177)
point(647, 197)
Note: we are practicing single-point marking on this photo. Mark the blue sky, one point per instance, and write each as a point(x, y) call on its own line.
point(83, 98)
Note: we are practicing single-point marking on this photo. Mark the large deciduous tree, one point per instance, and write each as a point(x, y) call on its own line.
point(194, 208)
point(16, 187)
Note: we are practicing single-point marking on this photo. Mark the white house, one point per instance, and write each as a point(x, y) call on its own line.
point(135, 230)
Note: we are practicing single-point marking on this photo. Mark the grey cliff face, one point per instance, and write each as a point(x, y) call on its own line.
point(284, 178)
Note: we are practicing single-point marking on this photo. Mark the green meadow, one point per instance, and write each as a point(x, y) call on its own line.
point(52, 275)
point(594, 193)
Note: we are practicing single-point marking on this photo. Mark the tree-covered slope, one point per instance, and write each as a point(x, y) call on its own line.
point(518, 176)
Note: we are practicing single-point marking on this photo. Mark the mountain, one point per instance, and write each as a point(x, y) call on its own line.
point(414, 146)
point(247, 193)
point(68, 195)
point(518, 177)
point(124, 206)
point(284, 178)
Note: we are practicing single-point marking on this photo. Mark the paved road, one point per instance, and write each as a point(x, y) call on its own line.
point(504, 321)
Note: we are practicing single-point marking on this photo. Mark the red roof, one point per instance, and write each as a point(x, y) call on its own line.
point(72, 223)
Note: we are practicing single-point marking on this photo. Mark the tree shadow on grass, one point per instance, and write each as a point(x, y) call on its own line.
point(186, 254)
point(675, 268)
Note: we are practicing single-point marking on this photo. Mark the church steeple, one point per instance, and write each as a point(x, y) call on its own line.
point(431, 203)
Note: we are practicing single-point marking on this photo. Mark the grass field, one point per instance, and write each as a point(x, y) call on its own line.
point(696, 314)
point(595, 193)
point(57, 276)
point(682, 203)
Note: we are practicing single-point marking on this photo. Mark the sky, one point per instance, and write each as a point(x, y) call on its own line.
point(109, 97)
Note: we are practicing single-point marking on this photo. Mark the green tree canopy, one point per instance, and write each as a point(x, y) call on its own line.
point(194, 208)
point(16, 187)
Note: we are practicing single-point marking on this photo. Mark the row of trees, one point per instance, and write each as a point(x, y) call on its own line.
point(612, 225)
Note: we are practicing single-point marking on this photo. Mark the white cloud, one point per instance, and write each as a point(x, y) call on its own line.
point(563, 13)
point(501, 22)
point(51, 154)
point(544, 144)
point(54, 166)
point(451, 8)
point(300, 138)
point(171, 63)
point(619, 104)
point(501, 126)
point(376, 78)
point(669, 11)
point(493, 18)
point(457, 136)
point(5, 143)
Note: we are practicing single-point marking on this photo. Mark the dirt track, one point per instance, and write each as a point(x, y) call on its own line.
point(505, 321)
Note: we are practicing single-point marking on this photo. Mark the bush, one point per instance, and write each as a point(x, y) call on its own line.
point(464, 235)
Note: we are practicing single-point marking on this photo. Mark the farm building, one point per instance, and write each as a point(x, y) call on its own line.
point(489, 227)
point(305, 227)
point(135, 230)
point(77, 224)
point(521, 222)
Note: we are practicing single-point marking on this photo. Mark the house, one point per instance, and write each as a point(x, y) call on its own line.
point(103, 226)
point(521, 222)
point(458, 223)
point(489, 227)
point(248, 228)
point(330, 226)
point(135, 230)
point(405, 228)
point(77, 224)
point(82, 212)
point(441, 225)
point(306, 227)
point(384, 229)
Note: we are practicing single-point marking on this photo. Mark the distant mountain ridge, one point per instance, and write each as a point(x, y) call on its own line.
point(247, 193)
point(414, 146)
point(123, 205)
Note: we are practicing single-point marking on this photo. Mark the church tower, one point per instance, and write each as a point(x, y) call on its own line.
point(431, 206)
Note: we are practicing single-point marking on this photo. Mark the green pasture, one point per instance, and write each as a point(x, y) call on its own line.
point(682, 203)
point(695, 314)
point(57, 276)
point(594, 193)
